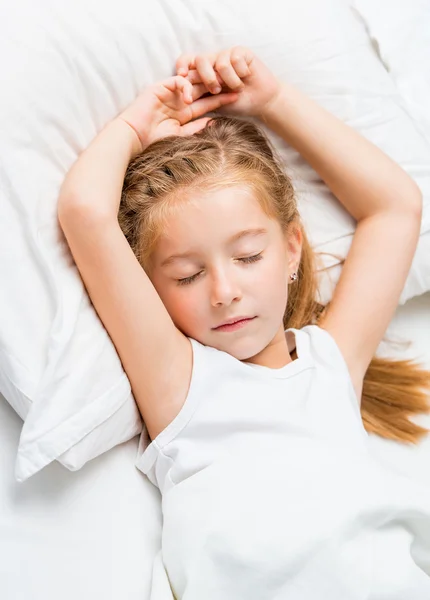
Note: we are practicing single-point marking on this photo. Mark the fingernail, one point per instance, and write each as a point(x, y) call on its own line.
point(216, 89)
point(182, 71)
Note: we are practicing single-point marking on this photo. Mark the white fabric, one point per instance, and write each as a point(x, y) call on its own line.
point(87, 535)
point(400, 32)
point(96, 533)
point(270, 488)
point(69, 67)
point(231, 403)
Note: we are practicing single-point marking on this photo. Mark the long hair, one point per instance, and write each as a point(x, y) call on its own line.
point(230, 151)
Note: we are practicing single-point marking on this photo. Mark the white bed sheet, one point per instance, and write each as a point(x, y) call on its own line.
point(95, 533)
point(85, 535)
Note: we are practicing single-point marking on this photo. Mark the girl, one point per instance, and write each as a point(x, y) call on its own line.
point(186, 233)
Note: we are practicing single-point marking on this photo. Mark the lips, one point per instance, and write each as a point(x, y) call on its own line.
point(233, 321)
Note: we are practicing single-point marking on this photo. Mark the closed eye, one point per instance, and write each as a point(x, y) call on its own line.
point(246, 260)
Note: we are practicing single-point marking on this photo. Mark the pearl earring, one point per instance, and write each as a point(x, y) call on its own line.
point(293, 276)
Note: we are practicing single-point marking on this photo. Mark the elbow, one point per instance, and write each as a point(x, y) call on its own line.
point(411, 209)
point(74, 211)
point(65, 208)
point(410, 217)
point(408, 197)
point(408, 201)
point(416, 203)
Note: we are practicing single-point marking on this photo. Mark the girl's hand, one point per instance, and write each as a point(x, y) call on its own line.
point(169, 107)
point(236, 69)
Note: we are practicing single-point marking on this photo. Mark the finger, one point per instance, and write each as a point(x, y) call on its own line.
point(199, 89)
point(204, 65)
point(194, 126)
point(241, 59)
point(195, 77)
point(224, 67)
point(191, 92)
point(184, 86)
point(210, 103)
point(181, 84)
point(184, 63)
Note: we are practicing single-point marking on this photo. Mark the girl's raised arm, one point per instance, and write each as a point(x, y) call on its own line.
point(384, 200)
point(387, 205)
point(156, 356)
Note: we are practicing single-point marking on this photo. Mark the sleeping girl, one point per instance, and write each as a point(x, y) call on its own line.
point(257, 399)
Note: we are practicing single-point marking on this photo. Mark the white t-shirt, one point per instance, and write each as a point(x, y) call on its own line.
point(269, 488)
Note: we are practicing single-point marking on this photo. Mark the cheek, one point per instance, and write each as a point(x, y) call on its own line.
point(273, 280)
point(273, 287)
point(184, 306)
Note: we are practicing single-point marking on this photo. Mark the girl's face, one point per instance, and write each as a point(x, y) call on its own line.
point(220, 258)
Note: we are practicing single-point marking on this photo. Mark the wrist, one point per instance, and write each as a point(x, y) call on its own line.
point(136, 144)
point(95, 180)
point(276, 106)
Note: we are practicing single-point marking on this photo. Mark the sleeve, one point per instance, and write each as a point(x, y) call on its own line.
point(151, 459)
point(330, 359)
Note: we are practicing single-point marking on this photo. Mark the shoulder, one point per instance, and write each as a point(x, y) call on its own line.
point(209, 368)
point(322, 344)
point(327, 353)
point(208, 361)
point(198, 424)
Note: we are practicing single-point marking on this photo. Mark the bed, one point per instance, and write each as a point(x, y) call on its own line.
point(77, 518)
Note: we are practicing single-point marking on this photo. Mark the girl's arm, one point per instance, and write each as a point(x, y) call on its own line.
point(358, 173)
point(152, 351)
point(156, 356)
point(387, 205)
point(171, 107)
point(384, 200)
point(94, 183)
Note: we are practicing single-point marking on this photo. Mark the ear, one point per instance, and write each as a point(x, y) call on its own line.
point(293, 246)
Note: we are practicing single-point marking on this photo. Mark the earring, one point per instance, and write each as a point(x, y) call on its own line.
point(293, 276)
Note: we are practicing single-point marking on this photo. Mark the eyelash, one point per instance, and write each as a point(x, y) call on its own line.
point(246, 260)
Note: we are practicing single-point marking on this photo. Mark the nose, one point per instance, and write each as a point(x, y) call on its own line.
point(225, 288)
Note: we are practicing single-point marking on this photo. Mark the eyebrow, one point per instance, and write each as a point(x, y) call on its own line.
point(234, 238)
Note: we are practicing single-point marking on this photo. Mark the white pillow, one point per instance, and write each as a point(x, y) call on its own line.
point(67, 69)
point(401, 34)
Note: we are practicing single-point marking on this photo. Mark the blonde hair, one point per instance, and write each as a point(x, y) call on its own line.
point(230, 151)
